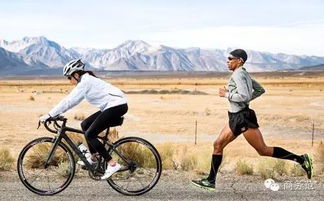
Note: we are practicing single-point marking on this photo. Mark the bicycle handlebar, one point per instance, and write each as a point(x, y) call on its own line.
point(55, 125)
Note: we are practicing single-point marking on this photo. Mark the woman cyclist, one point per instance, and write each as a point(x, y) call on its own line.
point(109, 99)
point(241, 89)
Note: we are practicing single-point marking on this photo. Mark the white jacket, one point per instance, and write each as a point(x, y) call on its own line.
point(96, 91)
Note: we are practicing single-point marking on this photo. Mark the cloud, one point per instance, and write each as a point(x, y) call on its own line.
point(301, 38)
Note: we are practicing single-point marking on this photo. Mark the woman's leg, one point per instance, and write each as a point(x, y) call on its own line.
point(255, 139)
point(85, 124)
point(100, 124)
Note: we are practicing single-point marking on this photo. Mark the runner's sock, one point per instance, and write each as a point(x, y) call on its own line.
point(215, 163)
point(281, 153)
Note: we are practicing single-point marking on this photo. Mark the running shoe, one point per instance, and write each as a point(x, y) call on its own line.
point(205, 184)
point(308, 165)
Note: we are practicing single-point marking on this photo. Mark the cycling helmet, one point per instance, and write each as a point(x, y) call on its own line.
point(72, 66)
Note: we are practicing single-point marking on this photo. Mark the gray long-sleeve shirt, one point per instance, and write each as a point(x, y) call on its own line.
point(242, 89)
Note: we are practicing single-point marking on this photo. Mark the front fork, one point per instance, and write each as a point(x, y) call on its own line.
point(57, 140)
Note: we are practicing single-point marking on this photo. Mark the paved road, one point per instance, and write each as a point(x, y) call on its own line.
point(174, 186)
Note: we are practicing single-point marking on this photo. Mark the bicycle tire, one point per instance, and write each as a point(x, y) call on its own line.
point(138, 151)
point(30, 165)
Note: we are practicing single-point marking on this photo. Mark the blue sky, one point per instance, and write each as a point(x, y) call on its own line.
point(294, 27)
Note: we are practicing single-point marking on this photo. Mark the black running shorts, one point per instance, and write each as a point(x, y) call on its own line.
point(240, 121)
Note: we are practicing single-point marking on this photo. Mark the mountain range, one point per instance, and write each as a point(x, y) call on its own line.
point(33, 55)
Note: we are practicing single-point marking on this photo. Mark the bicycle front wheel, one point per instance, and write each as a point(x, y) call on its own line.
point(142, 170)
point(45, 180)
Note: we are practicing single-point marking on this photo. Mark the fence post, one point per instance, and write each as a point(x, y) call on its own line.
point(313, 131)
point(196, 132)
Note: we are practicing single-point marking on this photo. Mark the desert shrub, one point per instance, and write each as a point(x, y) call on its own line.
point(38, 155)
point(319, 158)
point(167, 152)
point(243, 168)
point(79, 117)
point(189, 162)
point(265, 169)
point(31, 98)
point(76, 138)
point(296, 170)
point(6, 160)
point(207, 111)
point(185, 157)
point(164, 91)
point(272, 168)
point(280, 167)
point(113, 135)
point(204, 161)
point(63, 169)
point(137, 152)
point(320, 152)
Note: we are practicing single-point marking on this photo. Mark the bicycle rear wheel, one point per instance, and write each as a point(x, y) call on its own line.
point(143, 170)
point(52, 179)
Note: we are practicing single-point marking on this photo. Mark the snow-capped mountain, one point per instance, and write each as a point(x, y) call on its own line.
point(38, 51)
point(138, 55)
point(10, 61)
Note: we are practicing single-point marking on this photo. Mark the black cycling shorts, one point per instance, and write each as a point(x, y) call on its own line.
point(239, 122)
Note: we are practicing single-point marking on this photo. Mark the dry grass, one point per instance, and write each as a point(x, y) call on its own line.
point(177, 156)
point(265, 168)
point(63, 169)
point(189, 162)
point(163, 91)
point(297, 171)
point(243, 168)
point(76, 138)
point(113, 135)
point(281, 167)
point(6, 160)
point(39, 154)
point(167, 151)
point(275, 168)
point(137, 152)
point(319, 159)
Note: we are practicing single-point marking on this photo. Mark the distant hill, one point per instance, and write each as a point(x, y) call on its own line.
point(316, 67)
point(34, 55)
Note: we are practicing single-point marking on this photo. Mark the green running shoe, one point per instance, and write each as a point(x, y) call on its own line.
point(205, 184)
point(308, 165)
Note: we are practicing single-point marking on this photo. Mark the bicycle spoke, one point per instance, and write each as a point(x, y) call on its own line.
point(127, 185)
point(48, 183)
point(32, 181)
point(139, 181)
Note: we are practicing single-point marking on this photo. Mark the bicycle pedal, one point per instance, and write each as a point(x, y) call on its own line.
point(96, 176)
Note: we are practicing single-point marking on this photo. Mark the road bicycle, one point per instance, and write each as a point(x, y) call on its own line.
point(46, 166)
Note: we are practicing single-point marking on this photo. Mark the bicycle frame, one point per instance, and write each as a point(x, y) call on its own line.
point(61, 134)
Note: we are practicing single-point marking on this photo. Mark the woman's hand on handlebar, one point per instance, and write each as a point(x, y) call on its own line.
point(43, 118)
point(47, 121)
